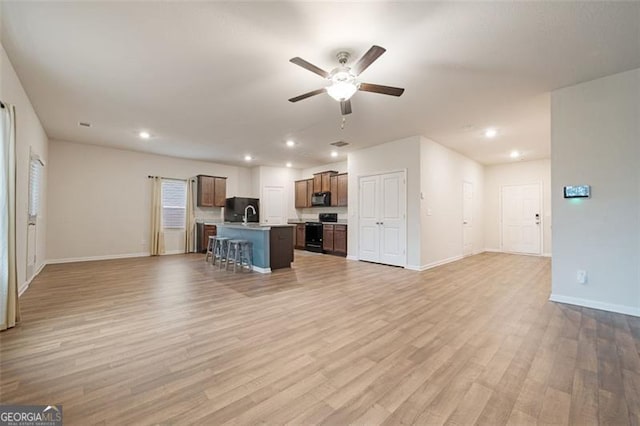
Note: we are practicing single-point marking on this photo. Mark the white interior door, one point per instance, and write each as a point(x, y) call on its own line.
point(382, 219)
point(368, 223)
point(392, 215)
point(272, 205)
point(467, 218)
point(521, 219)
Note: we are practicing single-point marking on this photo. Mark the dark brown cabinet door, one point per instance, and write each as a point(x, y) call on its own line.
point(327, 238)
point(343, 190)
point(333, 188)
point(317, 182)
point(301, 194)
point(206, 190)
point(300, 235)
point(326, 182)
point(340, 240)
point(219, 191)
point(206, 232)
point(310, 191)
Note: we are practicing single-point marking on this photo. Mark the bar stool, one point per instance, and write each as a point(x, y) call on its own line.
point(240, 252)
point(220, 248)
point(210, 248)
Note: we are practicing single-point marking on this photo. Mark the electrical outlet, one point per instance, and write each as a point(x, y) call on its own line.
point(581, 276)
point(429, 212)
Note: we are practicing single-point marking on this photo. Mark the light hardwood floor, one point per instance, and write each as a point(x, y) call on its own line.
point(172, 340)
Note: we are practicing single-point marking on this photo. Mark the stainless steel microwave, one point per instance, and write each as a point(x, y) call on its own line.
point(321, 199)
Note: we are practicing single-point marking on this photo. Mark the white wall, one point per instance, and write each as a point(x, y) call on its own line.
point(517, 173)
point(443, 172)
point(284, 177)
point(403, 154)
point(29, 134)
point(99, 199)
point(595, 140)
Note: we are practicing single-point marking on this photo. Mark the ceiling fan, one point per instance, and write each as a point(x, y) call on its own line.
point(343, 79)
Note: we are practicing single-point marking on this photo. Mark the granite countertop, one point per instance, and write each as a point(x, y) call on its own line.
point(300, 221)
point(252, 226)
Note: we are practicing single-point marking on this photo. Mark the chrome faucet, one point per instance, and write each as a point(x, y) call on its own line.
point(244, 218)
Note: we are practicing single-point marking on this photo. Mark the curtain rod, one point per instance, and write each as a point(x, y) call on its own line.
point(170, 178)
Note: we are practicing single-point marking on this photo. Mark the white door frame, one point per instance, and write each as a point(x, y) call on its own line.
point(406, 203)
point(541, 227)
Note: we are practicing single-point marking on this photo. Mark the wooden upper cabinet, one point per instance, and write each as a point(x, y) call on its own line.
point(326, 182)
point(342, 190)
point(317, 182)
point(301, 194)
point(310, 191)
point(212, 191)
point(333, 188)
point(220, 192)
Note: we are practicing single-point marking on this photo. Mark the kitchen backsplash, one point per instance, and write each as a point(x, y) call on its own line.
point(312, 214)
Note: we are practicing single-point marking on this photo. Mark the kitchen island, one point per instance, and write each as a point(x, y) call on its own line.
point(272, 244)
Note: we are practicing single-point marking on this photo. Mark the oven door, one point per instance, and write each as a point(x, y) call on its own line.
point(313, 237)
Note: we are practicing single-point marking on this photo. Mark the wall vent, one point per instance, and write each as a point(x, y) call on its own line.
point(339, 144)
point(84, 124)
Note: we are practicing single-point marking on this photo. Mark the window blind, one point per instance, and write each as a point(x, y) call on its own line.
point(174, 203)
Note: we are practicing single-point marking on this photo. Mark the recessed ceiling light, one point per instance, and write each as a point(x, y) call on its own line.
point(288, 164)
point(334, 153)
point(144, 135)
point(490, 133)
point(514, 154)
point(247, 158)
point(291, 144)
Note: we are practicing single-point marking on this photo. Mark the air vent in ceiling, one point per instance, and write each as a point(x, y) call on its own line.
point(339, 144)
point(84, 124)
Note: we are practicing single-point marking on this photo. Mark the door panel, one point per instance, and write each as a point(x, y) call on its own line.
point(521, 219)
point(273, 207)
point(392, 220)
point(382, 214)
point(369, 232)
point(467, 218)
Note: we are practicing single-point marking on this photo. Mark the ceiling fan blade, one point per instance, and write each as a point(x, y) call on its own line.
point(309, 66)
point(345, 107)
point(385, 90)
point(308, 95)
point(367, 59)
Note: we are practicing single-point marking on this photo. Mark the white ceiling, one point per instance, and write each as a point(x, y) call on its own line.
point(211, 80)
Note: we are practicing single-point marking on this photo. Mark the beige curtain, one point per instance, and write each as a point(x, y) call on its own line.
point(157, 232)
point(190, 231)
point(9, 304)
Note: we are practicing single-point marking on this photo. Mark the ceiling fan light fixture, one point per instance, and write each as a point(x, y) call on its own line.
point(342, 90)
point(343, 84)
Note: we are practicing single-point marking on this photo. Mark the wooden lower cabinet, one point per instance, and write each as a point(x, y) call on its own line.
point(334, 239)
point(300, 236)
point(204, 231)
point(340, 240)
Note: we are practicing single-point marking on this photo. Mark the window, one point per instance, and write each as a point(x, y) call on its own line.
point(35, 184)
point(174, 203)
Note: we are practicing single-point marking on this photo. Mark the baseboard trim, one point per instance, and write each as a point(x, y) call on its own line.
point(491, 250)
point(92, 258)
point(434, 264)
point(594, 304)
point(261, 270)
point(25, 285)
point(351, 257)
